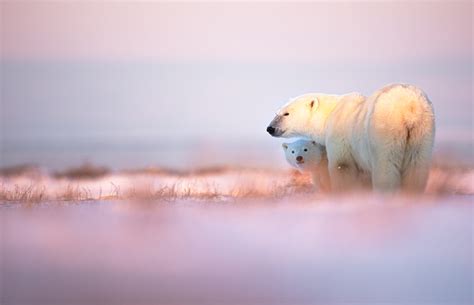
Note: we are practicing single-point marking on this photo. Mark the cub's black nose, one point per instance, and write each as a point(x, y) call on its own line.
point(299, 158)
point(270, 130)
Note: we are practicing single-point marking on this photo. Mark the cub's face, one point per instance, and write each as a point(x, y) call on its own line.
point(293, 119)
point(304, 155)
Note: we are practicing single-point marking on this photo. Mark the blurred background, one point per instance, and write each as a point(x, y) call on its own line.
point(128, 84)
point(193, 84)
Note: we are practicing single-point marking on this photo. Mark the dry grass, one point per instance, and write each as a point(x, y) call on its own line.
point(24, 193)
point(221, 184)
point(204, 185)
point(196, 190)
point(75, 193)
point(171, 193)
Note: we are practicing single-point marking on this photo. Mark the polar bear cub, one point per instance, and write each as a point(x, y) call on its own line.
point(388, 135)
point(309, 156)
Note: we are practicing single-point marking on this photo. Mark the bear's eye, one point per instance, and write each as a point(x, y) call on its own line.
point(286, 114)
point(292, 151)
point(305, 149)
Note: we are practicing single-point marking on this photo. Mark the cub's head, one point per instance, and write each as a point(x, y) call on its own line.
point(303, 154)
point(294, 119)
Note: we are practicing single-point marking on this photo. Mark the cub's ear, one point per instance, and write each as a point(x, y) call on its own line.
point(285, 146)
point(314, 103)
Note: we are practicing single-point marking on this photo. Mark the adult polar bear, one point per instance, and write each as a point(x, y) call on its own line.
point(389, 135)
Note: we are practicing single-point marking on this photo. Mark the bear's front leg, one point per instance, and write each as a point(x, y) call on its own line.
point(343, 171)
point(321, 179)
point(343, 175)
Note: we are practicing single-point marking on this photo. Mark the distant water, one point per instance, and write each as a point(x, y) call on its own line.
point(178, 154)
point(136, 154)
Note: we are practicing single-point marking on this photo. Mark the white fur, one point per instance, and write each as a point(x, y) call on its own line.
point(312, 158)
point(389, 135)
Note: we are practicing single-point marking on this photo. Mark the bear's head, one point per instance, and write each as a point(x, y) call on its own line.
point(294, 119)
point(303, 154)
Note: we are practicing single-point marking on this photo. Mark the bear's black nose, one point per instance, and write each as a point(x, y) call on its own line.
point(270, 130)
point(299, 158)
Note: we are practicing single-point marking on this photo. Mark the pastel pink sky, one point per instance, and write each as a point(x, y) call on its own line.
point(236, 31)
point(85, 75)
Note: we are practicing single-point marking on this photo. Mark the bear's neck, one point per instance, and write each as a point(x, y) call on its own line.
point(326, 106)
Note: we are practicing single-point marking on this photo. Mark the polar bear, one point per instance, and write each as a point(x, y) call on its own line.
point(309, 156)
point(388, 135)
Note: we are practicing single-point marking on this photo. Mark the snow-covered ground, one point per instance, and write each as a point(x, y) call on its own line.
point(230, 235)
point(353, 250)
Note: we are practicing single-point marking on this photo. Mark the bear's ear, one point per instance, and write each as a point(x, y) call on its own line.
point(285, 146)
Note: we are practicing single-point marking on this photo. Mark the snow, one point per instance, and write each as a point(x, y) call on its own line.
point(357, 249)
point(232, 236)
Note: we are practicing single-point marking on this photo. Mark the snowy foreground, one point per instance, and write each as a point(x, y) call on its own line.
point(232, 236)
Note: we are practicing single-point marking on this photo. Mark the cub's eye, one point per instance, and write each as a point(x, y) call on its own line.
point(305, 149)
point(292, 151)
point(286, 114)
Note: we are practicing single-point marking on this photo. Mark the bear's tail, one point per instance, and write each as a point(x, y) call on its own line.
point(420, 131)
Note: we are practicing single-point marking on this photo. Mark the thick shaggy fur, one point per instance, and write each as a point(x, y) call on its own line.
point(388, 135)
point(309, 156)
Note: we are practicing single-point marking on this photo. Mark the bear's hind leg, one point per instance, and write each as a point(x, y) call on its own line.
point(386, 167)
point(387, 150)
point(416, 168)
point(386, 176)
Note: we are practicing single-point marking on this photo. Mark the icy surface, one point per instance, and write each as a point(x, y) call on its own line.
point(313, 250)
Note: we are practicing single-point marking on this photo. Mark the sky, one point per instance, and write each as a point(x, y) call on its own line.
point(177, 72)
point(302, 32)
